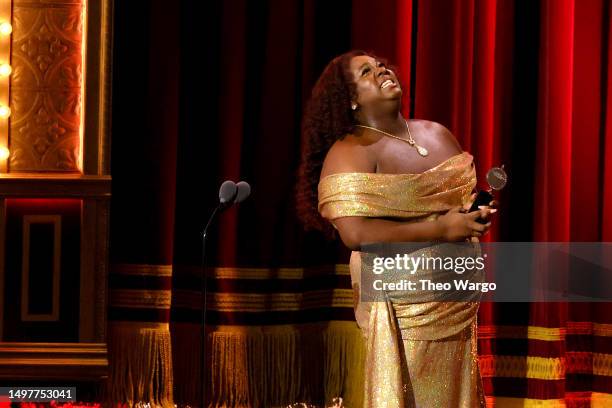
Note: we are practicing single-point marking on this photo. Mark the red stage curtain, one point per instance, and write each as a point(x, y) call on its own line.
point(467, 60)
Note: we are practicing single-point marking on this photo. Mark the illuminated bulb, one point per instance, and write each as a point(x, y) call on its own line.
point(4, 153)
point(6, 28)
point(5, 111)
point(5, 70)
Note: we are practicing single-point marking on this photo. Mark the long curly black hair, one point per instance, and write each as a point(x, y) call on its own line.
point(327, 118)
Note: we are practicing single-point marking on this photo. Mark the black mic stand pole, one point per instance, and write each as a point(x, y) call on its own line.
point(204, 292)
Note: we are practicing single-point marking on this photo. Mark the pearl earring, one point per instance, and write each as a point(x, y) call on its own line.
point(354, 106)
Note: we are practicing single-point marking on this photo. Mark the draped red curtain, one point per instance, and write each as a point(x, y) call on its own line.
point(470, 67)
point(523, 84)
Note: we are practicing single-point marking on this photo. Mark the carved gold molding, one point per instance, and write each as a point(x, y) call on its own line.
point(47, 85)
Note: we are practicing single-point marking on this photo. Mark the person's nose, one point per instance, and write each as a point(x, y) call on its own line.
point(382, 70)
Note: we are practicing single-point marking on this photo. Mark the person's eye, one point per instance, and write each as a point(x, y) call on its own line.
point(365, 71)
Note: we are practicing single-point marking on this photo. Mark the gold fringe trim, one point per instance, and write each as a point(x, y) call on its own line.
point(268, 366)
point(602, 364)
point(147, 298)
point(140, 364)
point(522, 367)
point(142, 269)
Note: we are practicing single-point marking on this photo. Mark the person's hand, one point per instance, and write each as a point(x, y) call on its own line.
point(492, 207)
point(458, 226)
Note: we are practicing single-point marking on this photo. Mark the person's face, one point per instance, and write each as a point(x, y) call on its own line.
point(374, 82)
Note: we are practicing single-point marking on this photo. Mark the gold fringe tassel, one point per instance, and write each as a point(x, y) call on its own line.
point(273, 366)
point(140, 364)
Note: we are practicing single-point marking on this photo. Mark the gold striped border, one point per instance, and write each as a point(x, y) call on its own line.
point(597, 400)
point(542, 368)
point(603, 330)
point(589, 328)
point(545, 333)
point(269, 302)
point(601, 400)
point(336, 325)
point(142, 269)
point(140, 298)
point(267, 273)
point(509, 402)
point(580, 328)
point(576, 362)
point(521, 332)
point(138, 325)
point(579, 362)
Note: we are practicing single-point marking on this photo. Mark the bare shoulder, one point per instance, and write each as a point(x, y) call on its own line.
point(348, 155)
point(438, 131)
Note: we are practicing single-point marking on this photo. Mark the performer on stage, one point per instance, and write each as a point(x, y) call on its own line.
point(378, 177)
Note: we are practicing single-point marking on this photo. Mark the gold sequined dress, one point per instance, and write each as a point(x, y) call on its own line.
point(419, 354)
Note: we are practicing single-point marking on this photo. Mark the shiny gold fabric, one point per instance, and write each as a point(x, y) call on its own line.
point(435, 363)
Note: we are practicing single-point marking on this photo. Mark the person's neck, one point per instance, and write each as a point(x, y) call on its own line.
point(391, 122)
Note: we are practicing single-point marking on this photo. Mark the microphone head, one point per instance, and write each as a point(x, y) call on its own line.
point(244, 190)
point(228, 192)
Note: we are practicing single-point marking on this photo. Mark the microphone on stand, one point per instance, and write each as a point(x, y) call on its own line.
point(244, 191)
point(230, 193)
point(227, 193)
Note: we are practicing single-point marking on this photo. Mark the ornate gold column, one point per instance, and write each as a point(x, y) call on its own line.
point(56, 178)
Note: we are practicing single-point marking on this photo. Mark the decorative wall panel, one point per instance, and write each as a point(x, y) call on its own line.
point(46, 98)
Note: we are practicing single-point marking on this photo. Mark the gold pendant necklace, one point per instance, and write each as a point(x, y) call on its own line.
point(422, 151)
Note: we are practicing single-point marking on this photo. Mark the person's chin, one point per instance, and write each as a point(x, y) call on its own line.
point(392, 94)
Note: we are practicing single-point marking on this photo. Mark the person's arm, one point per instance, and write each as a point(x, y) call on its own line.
point(450, 227)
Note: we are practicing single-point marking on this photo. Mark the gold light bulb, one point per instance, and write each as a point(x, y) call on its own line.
point(5, 70)
point(6, 28)
point(5, 111)
point(4, 153)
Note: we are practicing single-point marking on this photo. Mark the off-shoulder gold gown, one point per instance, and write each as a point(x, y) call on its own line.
point(435, 364)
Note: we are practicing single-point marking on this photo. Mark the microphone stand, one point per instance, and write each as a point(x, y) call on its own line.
point(204, 293)
point(230, 193)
